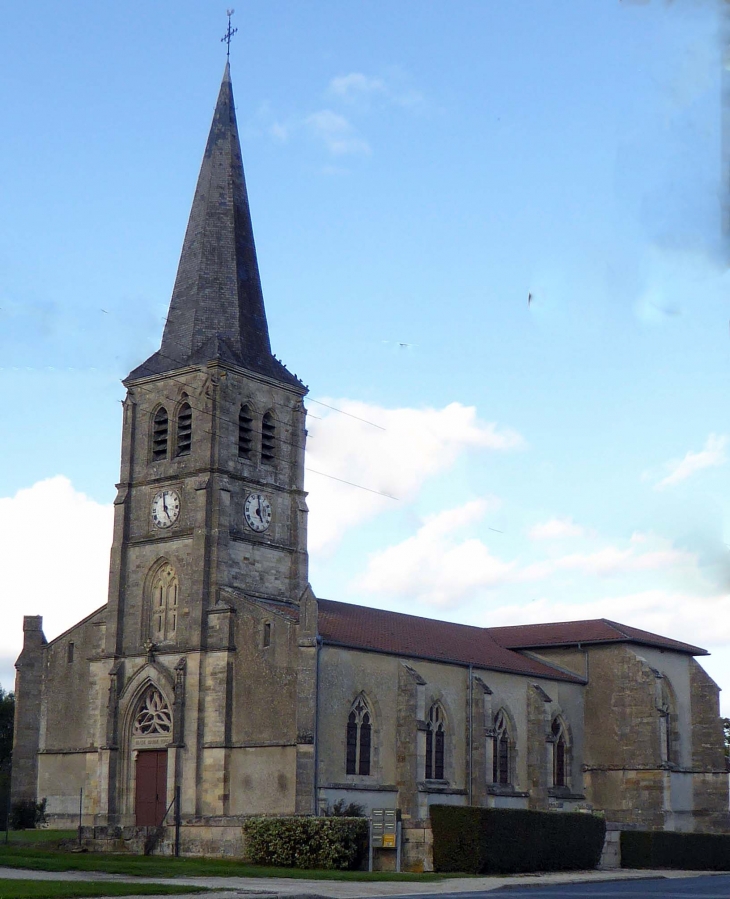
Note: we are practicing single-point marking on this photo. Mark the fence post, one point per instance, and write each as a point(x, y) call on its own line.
point(81, 802)
point(177, 822)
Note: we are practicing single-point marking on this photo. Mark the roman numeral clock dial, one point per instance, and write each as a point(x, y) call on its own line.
point(257, 512)
point(165, 508)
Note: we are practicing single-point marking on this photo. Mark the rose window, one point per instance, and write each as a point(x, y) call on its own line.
point(154, 715)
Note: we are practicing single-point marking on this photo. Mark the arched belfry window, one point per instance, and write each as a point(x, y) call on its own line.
point(359, 738)
point(268, 438)
point(159, 434)
point(184, 429)
point(163, 610)
point(153, 715)
point(560, 753)
point(502, 750)
point(435, 738)
point(245, 432)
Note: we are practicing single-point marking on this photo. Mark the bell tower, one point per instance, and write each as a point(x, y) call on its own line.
point(211, 496)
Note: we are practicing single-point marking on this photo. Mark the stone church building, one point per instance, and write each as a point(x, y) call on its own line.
point(214, 668)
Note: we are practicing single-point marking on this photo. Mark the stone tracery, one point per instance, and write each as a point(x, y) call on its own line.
point(153, 716)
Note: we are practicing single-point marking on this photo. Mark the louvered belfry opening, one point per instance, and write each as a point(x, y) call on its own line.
point(268, 438)
point(159, 434)
point(184, 429)
point(245, 432)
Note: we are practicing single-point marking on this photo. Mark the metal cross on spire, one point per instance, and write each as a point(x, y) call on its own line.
point(229, 33)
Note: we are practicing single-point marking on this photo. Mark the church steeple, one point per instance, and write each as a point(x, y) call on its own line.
point(217, 307)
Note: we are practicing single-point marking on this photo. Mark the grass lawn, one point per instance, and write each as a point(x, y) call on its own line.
point(46, 858)
point(59, 889)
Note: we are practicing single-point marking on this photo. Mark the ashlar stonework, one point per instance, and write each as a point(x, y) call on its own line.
point(214, 669)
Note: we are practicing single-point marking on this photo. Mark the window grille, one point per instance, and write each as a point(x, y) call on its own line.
point(501, 752)
point(359, 739)
point(268, 437)
point(159, 434)
point(184, 429)
point(435, 740)
point(245, 432)
point(153, 716)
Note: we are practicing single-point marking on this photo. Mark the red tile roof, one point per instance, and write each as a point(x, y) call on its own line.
point(597, 630)
point(359, 627)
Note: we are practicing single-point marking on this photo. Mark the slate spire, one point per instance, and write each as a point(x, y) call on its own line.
point(217, 306)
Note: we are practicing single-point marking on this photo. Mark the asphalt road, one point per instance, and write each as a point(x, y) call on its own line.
point(713, 887)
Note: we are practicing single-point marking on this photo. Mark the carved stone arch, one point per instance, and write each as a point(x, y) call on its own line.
point(152, 677)
point(361, 737)
point(161, 602)
point(504, 751)
point(439, 741)
point(562, 750)
point(669, 744)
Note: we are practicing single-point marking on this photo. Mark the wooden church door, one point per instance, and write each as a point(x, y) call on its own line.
point(151, 791)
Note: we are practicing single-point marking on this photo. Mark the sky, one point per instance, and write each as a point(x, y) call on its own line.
point(416, 172)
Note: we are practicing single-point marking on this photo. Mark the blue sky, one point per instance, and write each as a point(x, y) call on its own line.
point(415, 170)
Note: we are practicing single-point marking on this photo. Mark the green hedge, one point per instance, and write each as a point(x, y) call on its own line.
point(331, 843)
point(508, 841)
point(687, 851)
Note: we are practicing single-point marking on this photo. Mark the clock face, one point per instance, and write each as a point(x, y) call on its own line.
point(257, 512)
point(165, 508)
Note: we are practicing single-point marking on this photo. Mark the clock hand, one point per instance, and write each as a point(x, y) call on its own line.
point(164, 506)
point(260, 514)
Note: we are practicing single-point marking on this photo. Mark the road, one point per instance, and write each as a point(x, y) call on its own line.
point(709, 887)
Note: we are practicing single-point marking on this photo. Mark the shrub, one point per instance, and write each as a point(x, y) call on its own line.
point(26, 814)
point(508, 841)
point(331, 843)
point(351, 810)
point(663, 849)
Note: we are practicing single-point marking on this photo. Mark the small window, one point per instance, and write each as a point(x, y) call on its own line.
point(70, 653)
point(559, 754)
point(267, 633)
point(184, 429)
point(358, 739)
point(501, 751)
point(159, 435)
point(435, 736)
point(268, 438)
point(245, 432)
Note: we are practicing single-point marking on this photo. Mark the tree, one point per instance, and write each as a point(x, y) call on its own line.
point(7, 715)
point(726, 735)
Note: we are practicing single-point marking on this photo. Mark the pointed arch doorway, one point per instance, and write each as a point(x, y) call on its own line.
point(151, 734)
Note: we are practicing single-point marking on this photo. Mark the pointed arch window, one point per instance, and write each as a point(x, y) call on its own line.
point(165, 590)
point(184, 429)
point(245, 432)
point(359, 738)
point(435, 739)
point(560, 753)
point(153, 716)
point(667, 722)
point(502, 750)
point(268, 438)
point(159, 434)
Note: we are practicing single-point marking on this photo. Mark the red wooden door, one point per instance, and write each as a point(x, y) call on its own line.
point(151, 793)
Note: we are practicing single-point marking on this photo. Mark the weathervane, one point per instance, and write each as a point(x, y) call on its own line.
point(229, 33)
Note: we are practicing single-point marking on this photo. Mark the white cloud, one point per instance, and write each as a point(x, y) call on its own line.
point(412, 446)
point(354, 84)
point(358, 88)
point(432, 566)
point(337, 133)
point(711, 456)
point(281, 131)
point(607, 562)
point(555, 528)
point(55, 554)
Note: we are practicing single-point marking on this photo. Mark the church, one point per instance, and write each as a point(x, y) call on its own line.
point(214, 672)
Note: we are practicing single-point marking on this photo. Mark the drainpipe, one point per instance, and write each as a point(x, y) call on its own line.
point(471, 733)
point(316, 726)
